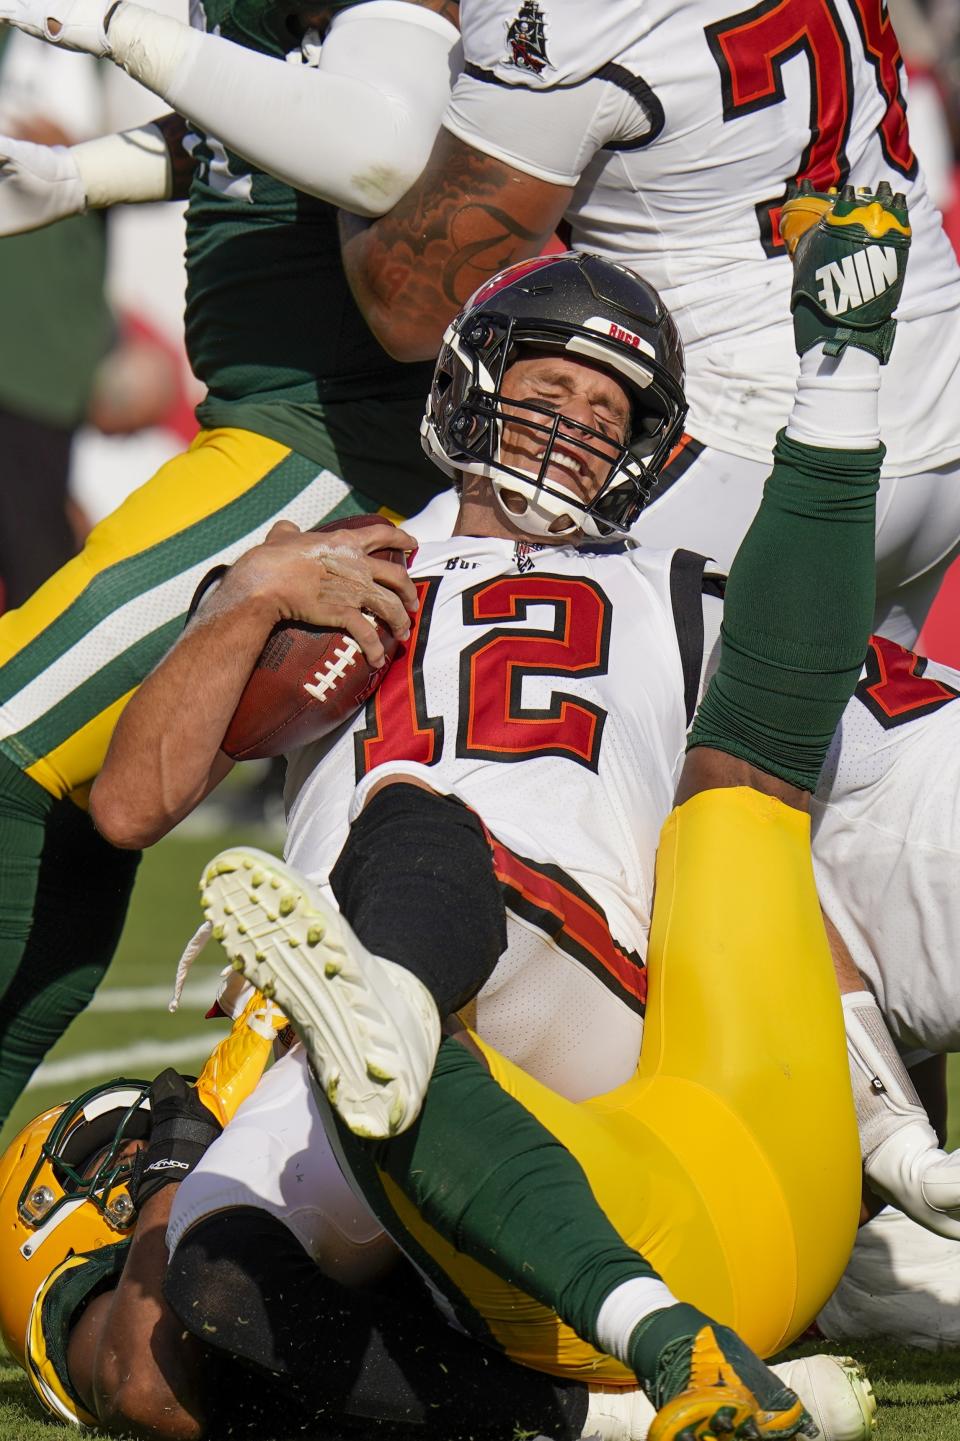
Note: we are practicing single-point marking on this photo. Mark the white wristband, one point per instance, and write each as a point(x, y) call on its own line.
point(130, 168)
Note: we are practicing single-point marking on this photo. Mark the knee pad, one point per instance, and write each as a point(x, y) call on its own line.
point(415, 880)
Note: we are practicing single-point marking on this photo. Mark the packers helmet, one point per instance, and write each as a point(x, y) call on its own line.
point(64, 1191)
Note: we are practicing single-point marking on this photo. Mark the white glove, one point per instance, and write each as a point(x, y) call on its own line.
point(902, 1158)
point(77, 24)
point(911, 1172)
point(38, 185)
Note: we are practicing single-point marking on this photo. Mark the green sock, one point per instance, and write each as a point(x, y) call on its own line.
point(496, 1184)
point(797, 614)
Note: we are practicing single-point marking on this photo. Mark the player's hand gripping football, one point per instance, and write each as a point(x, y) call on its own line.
point(73, 24)
point(38, 185)
point(849, 254)
point(331, 580)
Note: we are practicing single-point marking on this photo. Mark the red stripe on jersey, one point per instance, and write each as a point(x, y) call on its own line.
point(583, 924)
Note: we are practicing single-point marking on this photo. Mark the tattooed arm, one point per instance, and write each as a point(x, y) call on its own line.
point(467, 217)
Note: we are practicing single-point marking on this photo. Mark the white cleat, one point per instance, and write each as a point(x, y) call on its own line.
point(837, 1393)
point(834, 1389)
point(370, 1027)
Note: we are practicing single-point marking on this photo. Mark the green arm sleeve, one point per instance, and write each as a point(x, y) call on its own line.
point(797, 615)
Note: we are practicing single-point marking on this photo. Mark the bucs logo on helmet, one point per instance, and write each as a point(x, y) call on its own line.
point(582, 307)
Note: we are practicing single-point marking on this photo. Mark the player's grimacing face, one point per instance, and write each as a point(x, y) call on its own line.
point(585, 396)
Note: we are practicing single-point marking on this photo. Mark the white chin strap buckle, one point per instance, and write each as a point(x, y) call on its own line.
point(540, 512)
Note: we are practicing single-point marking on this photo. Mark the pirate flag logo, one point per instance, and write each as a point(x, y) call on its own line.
point(527, 40)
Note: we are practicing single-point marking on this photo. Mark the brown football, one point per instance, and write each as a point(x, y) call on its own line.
point(307, 681)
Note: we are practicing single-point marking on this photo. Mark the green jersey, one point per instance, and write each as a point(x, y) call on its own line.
point(272, 329)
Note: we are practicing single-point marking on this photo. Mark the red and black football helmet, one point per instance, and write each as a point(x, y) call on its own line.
point(578, 305)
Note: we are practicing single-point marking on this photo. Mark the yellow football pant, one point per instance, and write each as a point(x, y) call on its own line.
point(731, 1159)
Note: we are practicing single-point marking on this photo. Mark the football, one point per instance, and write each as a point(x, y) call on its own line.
point(307, 681)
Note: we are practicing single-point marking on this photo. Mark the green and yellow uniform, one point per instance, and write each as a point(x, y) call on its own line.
point(306, 419)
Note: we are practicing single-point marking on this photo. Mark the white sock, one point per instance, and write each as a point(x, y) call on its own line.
point(836, 405)
point(624, 1309)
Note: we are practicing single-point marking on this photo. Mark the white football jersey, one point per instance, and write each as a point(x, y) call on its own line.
point(680, 124)
point(550, 689)
point(886, 844)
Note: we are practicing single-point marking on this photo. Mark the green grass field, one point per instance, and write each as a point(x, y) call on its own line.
point(129, 1031)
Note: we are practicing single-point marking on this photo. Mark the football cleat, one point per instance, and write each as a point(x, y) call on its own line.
point(834, 1389)
point(837, 1393)
point(370, 1027)
point(708, 1385)
point(849, 259)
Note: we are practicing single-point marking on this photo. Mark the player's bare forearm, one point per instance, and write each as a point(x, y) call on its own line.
point(467, 217)
point(147, 1375)
point(174, 130)
point(165, 753)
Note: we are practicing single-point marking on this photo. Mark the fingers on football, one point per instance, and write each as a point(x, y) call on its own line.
point(395, 578)
point(361, 626)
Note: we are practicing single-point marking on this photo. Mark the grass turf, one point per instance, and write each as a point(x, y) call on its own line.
point(918, 1392)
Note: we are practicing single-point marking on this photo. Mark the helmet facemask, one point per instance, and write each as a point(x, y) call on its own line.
point(83, 1158)
point(467, 414)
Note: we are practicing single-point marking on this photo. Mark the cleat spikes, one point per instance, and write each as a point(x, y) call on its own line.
point(397, 1116)
point(267, 915)
point(218, 933)
point(848, 194)
point(806, 187)
point(900, 200)
point(884, 191)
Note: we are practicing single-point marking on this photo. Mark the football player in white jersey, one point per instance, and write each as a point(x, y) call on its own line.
point(886, 852)
point(666, 137)
point(533, 392)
